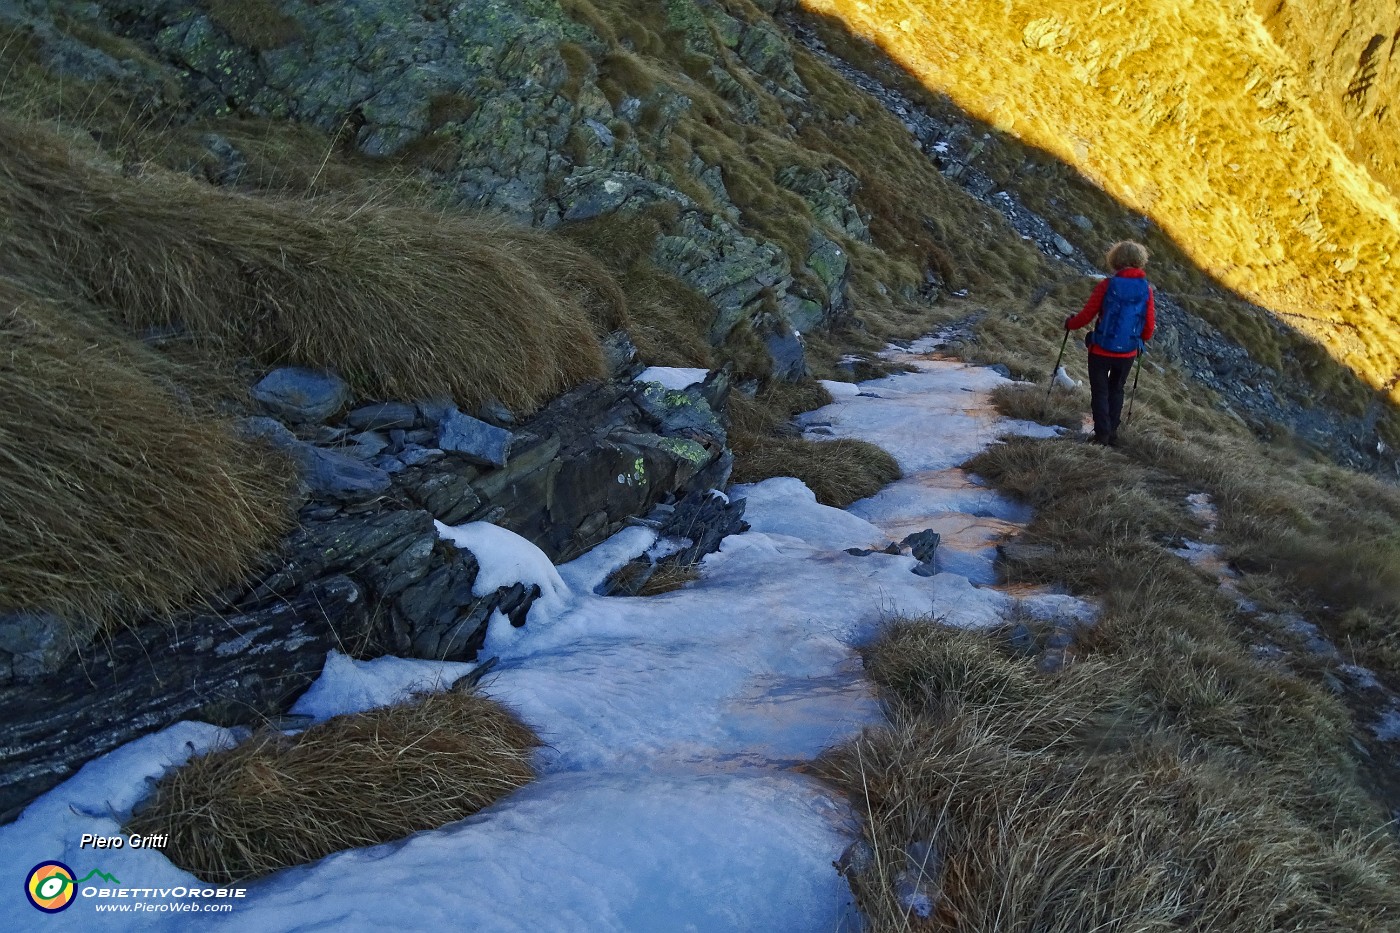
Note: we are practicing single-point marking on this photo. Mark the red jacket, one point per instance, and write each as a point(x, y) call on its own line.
point(1095, 304)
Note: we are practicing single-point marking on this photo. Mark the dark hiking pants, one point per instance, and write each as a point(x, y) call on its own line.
point(1107, 376)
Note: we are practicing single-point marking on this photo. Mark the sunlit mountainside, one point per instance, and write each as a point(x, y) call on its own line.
point(1266, 149)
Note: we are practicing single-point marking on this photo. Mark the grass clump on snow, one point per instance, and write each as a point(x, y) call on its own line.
point(404, 303)
point(114, 496)
point(355, 780)
point(668, 577)
point(1032, 403)
point(838, 472)
point(1015, 801)
point(1167, 778)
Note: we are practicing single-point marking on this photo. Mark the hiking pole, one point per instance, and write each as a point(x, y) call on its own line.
point(1137, 371)
point(1045, 405)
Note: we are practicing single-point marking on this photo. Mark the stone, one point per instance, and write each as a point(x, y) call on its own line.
point(431, 412)
point(449, 497)
point(225, 164)
point(383, 416)
point(923, 544)
point(366, 445)
point(1022, 640)
point(481, 443)
point(38, 642)
point(388, 463)
point(269, 429)
point(829, 263)
point(1082, 222)
point(705, 519)
point(413, 455)
point(1063, 246)
point(494, 412)
point(302, 395)
point(678, 412)
point(785, 349)
point(335, 475)
point(619, 352)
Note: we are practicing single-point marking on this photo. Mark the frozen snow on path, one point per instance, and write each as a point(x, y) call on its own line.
point(667, 800)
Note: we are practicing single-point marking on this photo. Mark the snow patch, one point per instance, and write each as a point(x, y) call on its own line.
point(350, 686)
point(840, 389)
point(673, 377)
point(504, 558)
point(587, 572)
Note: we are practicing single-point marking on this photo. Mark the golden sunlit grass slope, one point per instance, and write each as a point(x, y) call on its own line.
point(1193, 115)
point(1348, 54)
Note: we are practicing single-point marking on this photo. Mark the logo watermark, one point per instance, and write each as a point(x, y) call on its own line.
point(52, 886)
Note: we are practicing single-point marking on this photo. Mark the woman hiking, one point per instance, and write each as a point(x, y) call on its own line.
point(1127, 315)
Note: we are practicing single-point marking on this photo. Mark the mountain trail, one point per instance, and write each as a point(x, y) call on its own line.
point(670, 795)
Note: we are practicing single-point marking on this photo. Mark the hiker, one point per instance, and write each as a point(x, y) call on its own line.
point(1127, 316)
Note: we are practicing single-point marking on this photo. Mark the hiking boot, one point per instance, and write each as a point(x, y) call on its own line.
point(1112, 440)
point(1103, 440)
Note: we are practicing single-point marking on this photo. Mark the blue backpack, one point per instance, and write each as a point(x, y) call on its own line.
point(1122, 317)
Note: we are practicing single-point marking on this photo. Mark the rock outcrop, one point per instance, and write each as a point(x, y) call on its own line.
point(366, 572)
point(503, 104)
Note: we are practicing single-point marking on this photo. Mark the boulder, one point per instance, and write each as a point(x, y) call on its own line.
point(301, 395)
point(33, 643)
point(224, 668)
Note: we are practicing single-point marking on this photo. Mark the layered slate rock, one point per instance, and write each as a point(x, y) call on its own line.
point(227, 668)
point(366, 572)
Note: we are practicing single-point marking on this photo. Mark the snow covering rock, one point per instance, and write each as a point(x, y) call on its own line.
point(350, 686)
point(672, 377)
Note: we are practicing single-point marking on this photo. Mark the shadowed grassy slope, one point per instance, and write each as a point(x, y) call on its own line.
point(402, 302)
point(115, 497)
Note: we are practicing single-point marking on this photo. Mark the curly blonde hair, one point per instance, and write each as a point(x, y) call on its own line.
point(1127, 254)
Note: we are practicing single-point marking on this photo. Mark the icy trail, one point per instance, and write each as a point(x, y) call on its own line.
point(666, 799)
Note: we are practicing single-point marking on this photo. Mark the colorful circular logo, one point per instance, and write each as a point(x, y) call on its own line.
point(50, 887)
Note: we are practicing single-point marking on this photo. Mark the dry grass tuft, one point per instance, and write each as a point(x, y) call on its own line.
point(839, 472)
point(766, 444)
point(668, 577)
point(1031, 403)
point(256, 23)
point(355, 780)
point(402, 302)
point(114, 497)
point(1019, 801)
